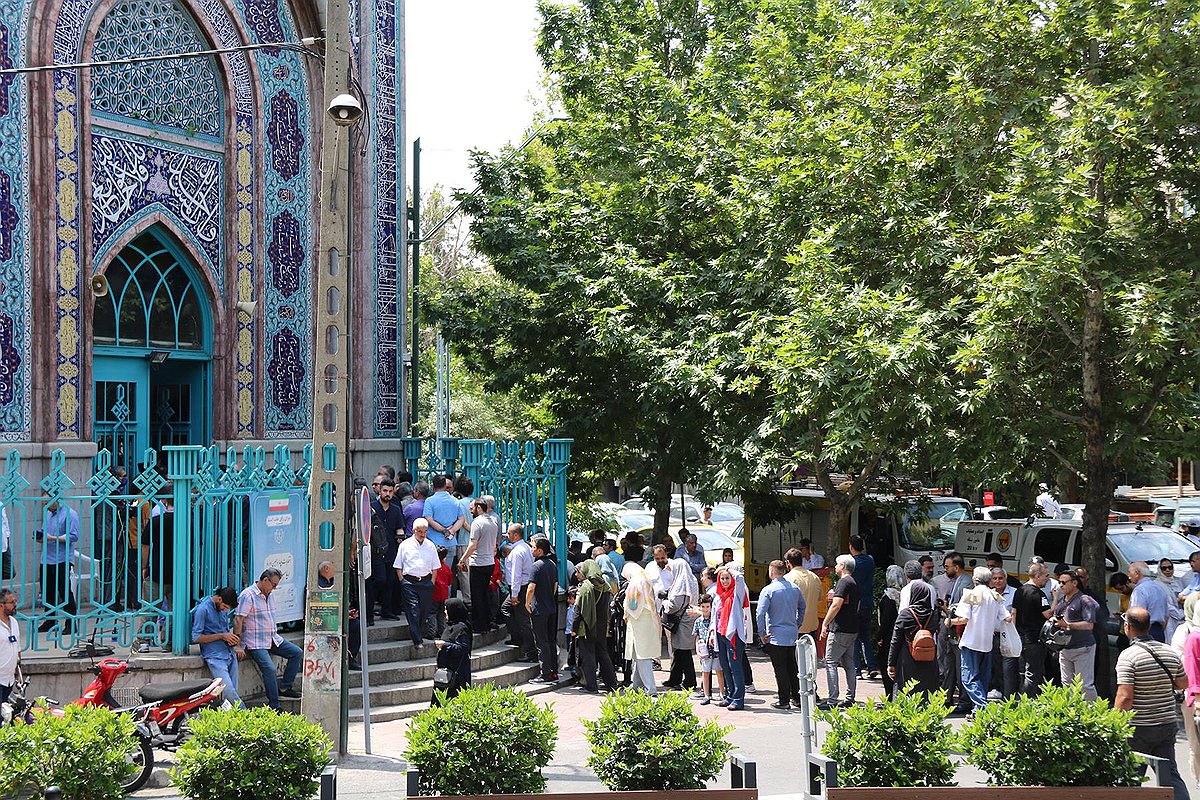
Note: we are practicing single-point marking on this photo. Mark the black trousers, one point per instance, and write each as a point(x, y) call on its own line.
point(593, 652)
point(683, 669)
point(787, 678)
point(391, 598)
point(1033, 665)
point(547, 647)
point(56, 591)
point(1159, 740)
point(418, 599)
point(520, 629)
point(481, 607)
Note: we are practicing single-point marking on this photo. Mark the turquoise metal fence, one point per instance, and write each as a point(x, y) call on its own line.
point(144, 543)
point(529, 487)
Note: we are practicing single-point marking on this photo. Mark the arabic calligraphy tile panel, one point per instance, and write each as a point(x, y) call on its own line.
point(286, 253)
point(15, 295)
point(131, 177)
point(385, 229)
point(283, 132)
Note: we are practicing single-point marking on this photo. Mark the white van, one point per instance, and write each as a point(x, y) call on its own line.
point(1060, 541)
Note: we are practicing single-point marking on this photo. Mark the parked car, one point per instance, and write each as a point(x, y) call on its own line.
point(1075, 511)
point(713, 541)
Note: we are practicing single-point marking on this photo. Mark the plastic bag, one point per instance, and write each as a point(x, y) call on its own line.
point(1010, 640)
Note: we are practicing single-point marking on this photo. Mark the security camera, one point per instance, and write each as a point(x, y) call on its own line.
point(345, 109)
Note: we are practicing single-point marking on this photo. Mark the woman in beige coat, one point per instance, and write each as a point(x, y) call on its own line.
point(642, 628)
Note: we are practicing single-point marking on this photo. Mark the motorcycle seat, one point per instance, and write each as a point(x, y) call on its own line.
point(171, 691)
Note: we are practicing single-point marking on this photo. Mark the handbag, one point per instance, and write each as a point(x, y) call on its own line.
point(443, 678)
point(671, 621)
point(6, 566)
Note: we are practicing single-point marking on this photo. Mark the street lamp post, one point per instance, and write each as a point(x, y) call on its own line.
point(330, 497)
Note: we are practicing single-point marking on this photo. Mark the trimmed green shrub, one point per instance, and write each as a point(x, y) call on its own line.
point(85, 752)
point(1056, 739)
point(249, 754)
point(901, 742)
point(644, 742)
point(483, 741)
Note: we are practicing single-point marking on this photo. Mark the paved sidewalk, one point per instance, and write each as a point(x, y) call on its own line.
point(770, 737)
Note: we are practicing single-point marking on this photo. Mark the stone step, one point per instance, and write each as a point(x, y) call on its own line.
point(513, 674)
point(483, 656)
point(400, 651)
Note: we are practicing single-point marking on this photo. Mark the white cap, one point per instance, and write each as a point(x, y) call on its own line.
point(1043, 487)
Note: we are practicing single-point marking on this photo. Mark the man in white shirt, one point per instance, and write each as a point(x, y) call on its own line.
point(914, 572)
point(982, 612)
point(416, 561)
point(1050, 507)
point(10, 643)
point(520, 570)
point(811, 560)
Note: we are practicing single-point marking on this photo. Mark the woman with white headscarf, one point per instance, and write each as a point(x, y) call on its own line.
point(682, 595)
point(642, 628)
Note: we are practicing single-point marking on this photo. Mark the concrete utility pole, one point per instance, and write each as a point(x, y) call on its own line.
point(330, 496)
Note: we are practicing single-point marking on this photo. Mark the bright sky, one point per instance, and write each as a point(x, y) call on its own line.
point(474, 82)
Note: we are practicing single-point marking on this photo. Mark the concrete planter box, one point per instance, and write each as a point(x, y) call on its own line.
point(1001, 793)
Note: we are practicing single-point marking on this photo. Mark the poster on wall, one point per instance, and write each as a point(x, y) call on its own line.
point(279, 539)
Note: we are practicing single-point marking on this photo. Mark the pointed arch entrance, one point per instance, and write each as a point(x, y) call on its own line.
point(151, 351)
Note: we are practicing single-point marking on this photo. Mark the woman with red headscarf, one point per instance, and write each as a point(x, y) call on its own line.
point(729, 612)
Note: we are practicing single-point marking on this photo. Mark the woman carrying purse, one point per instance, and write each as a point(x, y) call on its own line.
point(454, 652)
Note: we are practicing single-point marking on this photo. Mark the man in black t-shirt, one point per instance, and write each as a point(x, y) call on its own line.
point(840, 628)
point(541, 603)
point(1032, 609)
point(387, 517)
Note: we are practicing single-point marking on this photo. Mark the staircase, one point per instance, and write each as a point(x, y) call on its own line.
point(402, 675)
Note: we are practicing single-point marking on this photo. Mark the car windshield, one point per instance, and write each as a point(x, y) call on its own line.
point(1152, 546)
point(922, 529)
point(631, 522)
point(727, 513)
point(710, 539)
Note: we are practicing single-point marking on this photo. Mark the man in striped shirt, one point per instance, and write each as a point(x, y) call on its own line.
point(1148, 672)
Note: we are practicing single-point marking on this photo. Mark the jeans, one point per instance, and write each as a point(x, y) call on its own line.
point(481, 606)
point(976, 668)
point(783, 660)
point(1081, 661)
point(1033, 665)
point(266, 667)
point(546, 637)
point(225, 667)
point(839, 651)
point(1159, 741)
point(593, 652)
point(733, 659)
point(864, 648)
point(418, 605)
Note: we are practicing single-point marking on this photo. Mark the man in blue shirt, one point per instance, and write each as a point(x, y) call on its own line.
point(781, 608)
point(59, 535)
point(864, 576)
point(1152, 596)
point(445, 517)
point(691, 552)
point(210, 629)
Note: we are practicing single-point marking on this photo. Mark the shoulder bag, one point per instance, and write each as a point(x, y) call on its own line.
point(1179, 693)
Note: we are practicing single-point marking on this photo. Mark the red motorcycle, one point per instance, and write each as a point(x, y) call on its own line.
point(165, 709)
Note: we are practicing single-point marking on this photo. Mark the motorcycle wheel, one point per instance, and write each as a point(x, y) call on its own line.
point(143, 759)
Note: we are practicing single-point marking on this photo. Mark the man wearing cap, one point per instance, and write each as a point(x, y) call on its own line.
point(1190, 528)
point(1050, 507)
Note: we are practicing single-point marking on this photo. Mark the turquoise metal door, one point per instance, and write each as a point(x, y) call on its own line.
point(121, 408)
point(179, 403)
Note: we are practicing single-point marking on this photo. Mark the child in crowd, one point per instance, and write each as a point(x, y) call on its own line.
point(572, 593)
point(706, 649)
point(442, 579)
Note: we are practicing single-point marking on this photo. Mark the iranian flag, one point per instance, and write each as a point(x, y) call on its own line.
point(277, 504)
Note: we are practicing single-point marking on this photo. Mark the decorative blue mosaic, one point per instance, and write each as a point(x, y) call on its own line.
point(284, 135)
point(387, 256)
point(15, 296)
point(131, 178)
point(179, 94)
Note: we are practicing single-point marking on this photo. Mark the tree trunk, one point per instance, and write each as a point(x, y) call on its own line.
point(1098, 459)
point(838, 540)
point(662, 509)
